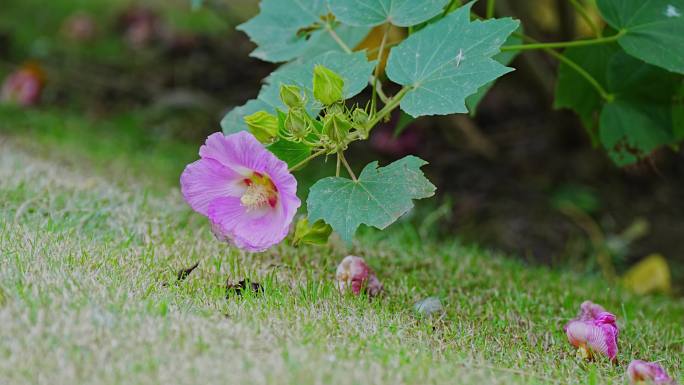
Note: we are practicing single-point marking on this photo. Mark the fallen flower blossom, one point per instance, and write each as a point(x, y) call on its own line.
point(590, 311)
point(593, 332)
point(354, 274)
point(642, 372)
point(79, 27)
point(247, 193)
point(140, 25)
point(24, 86)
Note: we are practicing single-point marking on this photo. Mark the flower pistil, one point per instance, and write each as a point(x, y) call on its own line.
point(260, 192)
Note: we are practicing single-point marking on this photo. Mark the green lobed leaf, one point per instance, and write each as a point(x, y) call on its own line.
point(631, 130)
point(291, 153)
point(640, 119)
point(505, 58)
point(354, 69)
point(378, 198)
point(654, 29)
point(447, 61)
point(573, 91)
point(290, 29)
point(631, 78)
point(369, 13)
point(642, 116)
point(678, 113)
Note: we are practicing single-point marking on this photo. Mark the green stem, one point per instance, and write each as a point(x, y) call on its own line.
point(307, 160)
point(376, 74)
point(392, 103)
point(388, 45)
point(381, 92)
point(608, 97)
point(340, 155)
point(337, 167)
point(453, 4)
point(564, 44)
point(490, 9)
point(585, 16)
point(337, 38)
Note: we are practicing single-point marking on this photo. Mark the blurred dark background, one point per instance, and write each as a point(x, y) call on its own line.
point(518, 175)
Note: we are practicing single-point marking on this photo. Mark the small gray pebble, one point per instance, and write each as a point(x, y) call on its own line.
point(428, 306)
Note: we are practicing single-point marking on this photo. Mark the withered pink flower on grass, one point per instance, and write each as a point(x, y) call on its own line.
point(593, 332)
point(354, 274)
point(642, 372)
point(24, 86)
point(247, 193)
point(590, 311)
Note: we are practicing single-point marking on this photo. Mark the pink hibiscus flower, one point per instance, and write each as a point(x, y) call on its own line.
point(353, 273)
point(593, 331)
point(247, 193)
point(640, 372)
point(23, 87)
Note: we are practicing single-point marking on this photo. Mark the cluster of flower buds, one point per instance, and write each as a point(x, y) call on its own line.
point(332, 131)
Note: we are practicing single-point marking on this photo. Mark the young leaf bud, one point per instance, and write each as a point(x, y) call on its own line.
point(336, 127)
point(292, 96)
point(327, 85)
point(262, 125)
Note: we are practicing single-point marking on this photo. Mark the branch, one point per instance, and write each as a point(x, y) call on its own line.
point(392, 103)
point(376, 74)
point(564, 44)
point(340, 156)
point(307, 160)
point(581, 71)
point(491, 4)
point(337, 38)
point(585, 16)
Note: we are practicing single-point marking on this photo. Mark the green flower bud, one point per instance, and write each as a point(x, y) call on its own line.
point(360, 117)
point(298, 124)
point(337, 108)
point(360, 121)
point(327, 85)
point(292, 96)
point(336, 127)
point(262, 125)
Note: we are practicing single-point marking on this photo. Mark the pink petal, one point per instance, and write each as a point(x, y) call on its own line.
point(252, 231)
point(243, 153)
point(260, 232)
point(590, 310)
point(650, 372)
point(594, 329)
point(239, 150)
point(205, 180)
point(216, 185)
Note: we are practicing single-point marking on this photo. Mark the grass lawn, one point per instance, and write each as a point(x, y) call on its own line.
point(93, 231)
